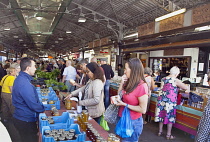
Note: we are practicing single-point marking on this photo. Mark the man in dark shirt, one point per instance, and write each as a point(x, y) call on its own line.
point(108, 74)
point(26, 102)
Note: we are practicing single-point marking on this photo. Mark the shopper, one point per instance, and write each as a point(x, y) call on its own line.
point(6, 92)
point(26, 102)
point(2, 74)
point(108, 74)
point(120, 70)
point(93, 93)
point(203, 133)
point(69, 73)
point(165, 112)
point(135, 96)
point(17, 68)
point(151, 86)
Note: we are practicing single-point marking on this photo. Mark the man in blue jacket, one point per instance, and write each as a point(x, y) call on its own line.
point(26, 102)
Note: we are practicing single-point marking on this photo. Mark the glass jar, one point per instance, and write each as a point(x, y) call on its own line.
point(72, 131)
point(79, 120)
point(69, 137)
point(99, 139)
point(47, 132)
point(66, 132)
point(85, 116)
point(44, 118)
point(61, 138)
point(56, 113)
point(115, 139)
point(71, 134)
point(51, 121)
point(68, 104)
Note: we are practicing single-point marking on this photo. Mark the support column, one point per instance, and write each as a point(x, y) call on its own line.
point(120, 38)
point(83, 54)
point(7, 55)
point(16, 56)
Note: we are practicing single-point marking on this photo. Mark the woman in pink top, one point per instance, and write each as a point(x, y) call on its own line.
point(135, 95)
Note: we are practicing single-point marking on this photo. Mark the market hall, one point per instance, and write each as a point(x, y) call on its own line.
point(64, 60)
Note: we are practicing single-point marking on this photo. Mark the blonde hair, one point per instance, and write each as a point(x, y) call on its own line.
point(9, 70)
point(15, 65)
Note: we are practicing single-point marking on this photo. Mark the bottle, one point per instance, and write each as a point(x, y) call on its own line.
point(79, 109)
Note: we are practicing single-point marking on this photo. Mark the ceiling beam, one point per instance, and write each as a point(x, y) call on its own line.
point(84, 28)
point(95, 12)
point(159, 5)
point(172, 41)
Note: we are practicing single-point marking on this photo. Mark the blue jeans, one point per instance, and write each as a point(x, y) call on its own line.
point(138, 127)
point(70, 88)
point(106, 94)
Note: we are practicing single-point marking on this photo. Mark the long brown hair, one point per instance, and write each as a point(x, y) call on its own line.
point(136, 74)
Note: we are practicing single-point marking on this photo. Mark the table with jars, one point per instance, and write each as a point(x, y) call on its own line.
point(94, 131)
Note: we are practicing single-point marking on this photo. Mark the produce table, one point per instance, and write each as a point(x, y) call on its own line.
point(100, 130)
point(187, 119)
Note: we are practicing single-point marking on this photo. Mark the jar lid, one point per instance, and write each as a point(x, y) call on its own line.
point(72, 130)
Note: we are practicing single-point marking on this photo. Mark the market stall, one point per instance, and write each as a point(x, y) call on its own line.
point(62, 111)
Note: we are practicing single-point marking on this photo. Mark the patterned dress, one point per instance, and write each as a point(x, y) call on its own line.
point(203, 134)
point(166, 102)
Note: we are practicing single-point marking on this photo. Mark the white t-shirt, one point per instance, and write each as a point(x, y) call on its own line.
point(70, 73)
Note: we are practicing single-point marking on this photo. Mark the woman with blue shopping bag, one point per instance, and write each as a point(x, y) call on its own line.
point(133, 103)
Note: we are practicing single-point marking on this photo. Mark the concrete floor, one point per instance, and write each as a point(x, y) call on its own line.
point(149, 133)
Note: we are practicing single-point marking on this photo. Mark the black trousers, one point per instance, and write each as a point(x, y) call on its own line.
point(27, 130)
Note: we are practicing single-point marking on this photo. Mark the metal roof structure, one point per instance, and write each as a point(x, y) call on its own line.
point(39, 26)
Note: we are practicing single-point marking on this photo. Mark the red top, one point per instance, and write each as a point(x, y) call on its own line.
point(132, 99)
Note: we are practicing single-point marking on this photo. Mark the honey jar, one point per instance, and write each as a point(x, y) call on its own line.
point(116, 140)
point(56, 113)
point(51, 102)
point(85, 116)
point(68, 104)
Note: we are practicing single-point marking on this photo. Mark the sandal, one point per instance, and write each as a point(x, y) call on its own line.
point(145, 122)
point(170, 137)
point(160, 134)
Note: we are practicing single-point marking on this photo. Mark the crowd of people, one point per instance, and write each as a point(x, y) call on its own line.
point(90, 82)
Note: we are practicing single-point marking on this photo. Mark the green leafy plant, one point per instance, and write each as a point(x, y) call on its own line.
point(47, 75)
point(51, 79)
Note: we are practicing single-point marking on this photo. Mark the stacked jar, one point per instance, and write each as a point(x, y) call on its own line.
point(68, 104)
point(112, 138)
point(54, 111)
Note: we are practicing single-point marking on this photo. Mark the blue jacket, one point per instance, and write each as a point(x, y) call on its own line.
point(25, 99)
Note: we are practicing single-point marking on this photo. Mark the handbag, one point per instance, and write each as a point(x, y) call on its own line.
point(111, 113)
point(104, 124)
point(124, 127)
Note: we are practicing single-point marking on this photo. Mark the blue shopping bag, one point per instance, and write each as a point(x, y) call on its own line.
point(124, 127)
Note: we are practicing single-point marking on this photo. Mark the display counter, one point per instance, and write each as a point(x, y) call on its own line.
point(100, 130)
